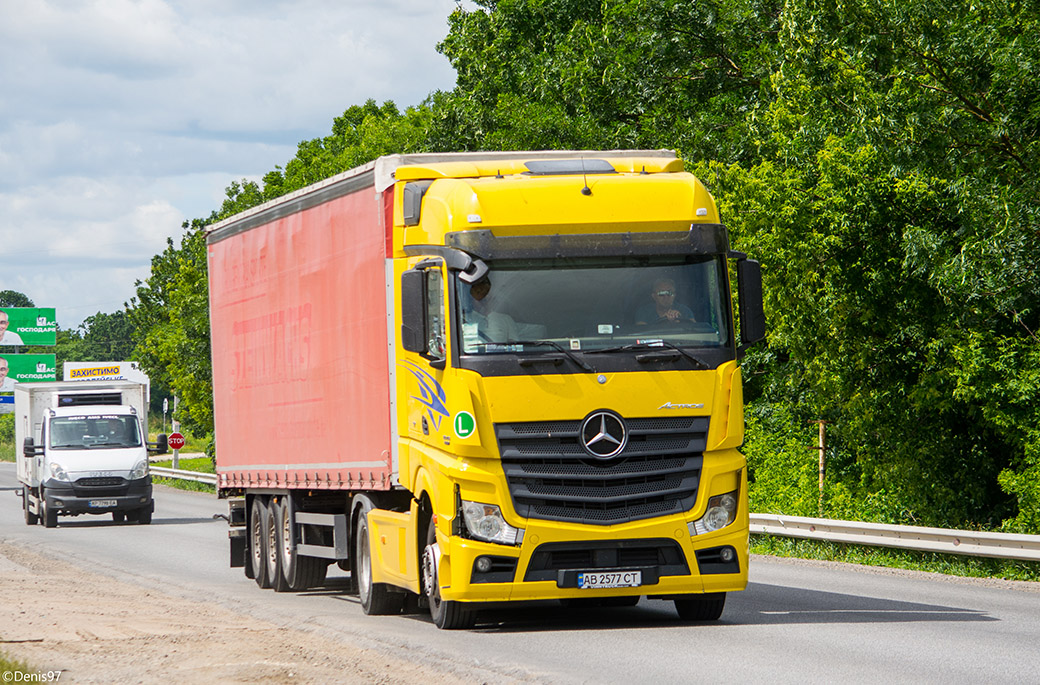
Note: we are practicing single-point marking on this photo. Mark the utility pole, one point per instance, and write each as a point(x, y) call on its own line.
point(822, 447)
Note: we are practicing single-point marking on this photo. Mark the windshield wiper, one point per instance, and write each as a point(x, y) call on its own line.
point(650, 346)
point(557, 346)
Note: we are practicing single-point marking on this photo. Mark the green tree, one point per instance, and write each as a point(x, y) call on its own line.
point(170, 318)
point(13, 298)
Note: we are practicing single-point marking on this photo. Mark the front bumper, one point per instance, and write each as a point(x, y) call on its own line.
point(74, 499)
point(546, 566)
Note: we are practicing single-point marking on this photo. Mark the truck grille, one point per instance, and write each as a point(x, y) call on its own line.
point(101, 487)
point(551, 476)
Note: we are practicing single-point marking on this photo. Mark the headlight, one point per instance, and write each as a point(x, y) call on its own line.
point(722, 511)
point(485, 522)
point(58, 473)
point(140, 471)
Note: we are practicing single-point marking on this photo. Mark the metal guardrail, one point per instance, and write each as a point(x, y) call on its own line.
point(917, 538)
point(210, 478)
point(963, 542)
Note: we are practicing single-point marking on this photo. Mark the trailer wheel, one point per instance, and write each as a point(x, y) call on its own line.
point(300, 572)
point(447, 615)
point(47, 515)
point(257, 542)
point(31, 519)
point(701, 608)
point(273, 543)
point(376, 599)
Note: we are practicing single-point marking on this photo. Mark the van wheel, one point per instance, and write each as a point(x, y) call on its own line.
point(118, 516)
point(258, 542)
point(376, 599)
point(31, 519)
point(447, 615)
point(300, 572)
point(47, 515)
point(144, 515)
point(701, 608)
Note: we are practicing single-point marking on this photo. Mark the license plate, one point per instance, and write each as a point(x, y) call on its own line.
point(101, 503)
point(593, 580)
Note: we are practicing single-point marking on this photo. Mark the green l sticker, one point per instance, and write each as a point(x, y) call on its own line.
point(465, 424)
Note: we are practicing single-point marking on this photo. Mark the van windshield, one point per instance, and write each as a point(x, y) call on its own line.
point(94, 431)
point(583, 305)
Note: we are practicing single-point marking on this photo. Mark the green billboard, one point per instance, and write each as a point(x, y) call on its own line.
point(28, 326)
point(23, 368)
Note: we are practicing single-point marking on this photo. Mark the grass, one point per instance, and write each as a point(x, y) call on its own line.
point(199, 464)
point(9, 667)
point(948, 564)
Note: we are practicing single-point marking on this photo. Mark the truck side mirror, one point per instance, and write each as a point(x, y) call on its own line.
point(160, 446)
point(30, 449)
point(413, 310)
point(749, 294)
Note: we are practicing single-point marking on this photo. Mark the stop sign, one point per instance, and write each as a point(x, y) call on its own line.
point(175, 441)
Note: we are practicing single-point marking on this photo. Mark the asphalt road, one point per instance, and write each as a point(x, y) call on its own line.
point(797, 622)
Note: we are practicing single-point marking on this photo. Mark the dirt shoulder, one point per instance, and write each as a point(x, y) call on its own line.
point(95, 629)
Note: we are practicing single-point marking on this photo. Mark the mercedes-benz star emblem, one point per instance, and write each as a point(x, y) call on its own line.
point(603, 434)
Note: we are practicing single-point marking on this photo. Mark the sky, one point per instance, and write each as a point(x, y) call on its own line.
point(121, 119)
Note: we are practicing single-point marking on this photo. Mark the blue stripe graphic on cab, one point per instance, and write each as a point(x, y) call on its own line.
point(433, 395)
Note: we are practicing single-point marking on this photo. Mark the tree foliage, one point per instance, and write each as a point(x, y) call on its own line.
point(170, 316)
point(13, 298)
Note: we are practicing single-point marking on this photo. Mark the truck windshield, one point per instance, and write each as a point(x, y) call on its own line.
point(94, 431)
point(595, 304)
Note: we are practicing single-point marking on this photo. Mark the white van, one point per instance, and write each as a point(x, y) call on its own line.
point(84, 450)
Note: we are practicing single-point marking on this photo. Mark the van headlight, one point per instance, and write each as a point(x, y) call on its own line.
point(721, 511)
point(485, 522)
point(139, 471)
point(58, 473)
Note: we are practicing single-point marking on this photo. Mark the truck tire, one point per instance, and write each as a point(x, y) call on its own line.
point(144, 515)
point(47, 515)
point(31, 519)
point(446, 615)
point(701, 608)
point(376, 598)
point(118, 516)
point(257, 542)
point(272, 545)
point(300, 572)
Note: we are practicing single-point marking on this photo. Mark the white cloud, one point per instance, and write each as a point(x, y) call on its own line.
point(120, 119)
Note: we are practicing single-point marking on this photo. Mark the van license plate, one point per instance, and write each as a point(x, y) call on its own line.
point(101, 503)
point(593, 580)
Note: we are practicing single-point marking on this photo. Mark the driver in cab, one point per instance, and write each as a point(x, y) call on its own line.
point(662, 308)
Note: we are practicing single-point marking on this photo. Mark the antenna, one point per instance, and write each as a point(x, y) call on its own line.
point(586, 190)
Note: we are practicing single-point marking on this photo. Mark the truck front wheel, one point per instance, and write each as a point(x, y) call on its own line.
point(701, 608)
point(31, 519)
point(447, 615)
